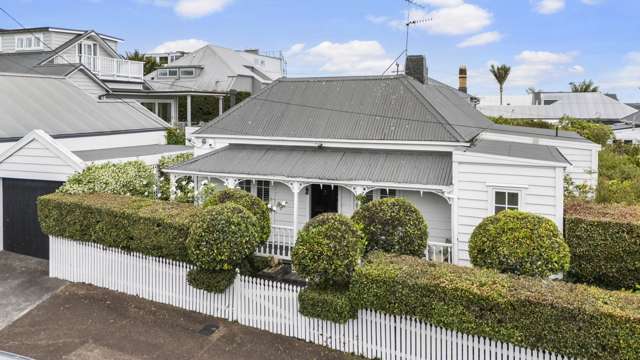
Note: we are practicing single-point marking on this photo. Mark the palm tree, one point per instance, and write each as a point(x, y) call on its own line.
point(584, 86)
point(501, 73)
point(150, 64)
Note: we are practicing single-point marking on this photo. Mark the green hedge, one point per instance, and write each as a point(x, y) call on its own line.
point(605, 244)
point(151, 227)
point(211, 281)
point(572, 320)
point(326, 305)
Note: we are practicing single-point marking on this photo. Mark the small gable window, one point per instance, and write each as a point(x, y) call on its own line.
point(506, 200)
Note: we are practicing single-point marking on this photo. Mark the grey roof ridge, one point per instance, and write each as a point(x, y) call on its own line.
point(426, 103)
point(235, 108)
point(197, 158)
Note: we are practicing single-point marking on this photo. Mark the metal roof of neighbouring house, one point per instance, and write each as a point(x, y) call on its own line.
point(131, 152)
point(61, 109)
point(537, 132)
point(28, 63)
point(356, 108)
point(326, 164)
point(518, 150)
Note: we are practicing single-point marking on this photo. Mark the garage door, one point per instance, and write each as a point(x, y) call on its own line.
point(21, 229)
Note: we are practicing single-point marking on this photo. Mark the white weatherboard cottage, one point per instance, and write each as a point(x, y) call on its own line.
point(311, 145)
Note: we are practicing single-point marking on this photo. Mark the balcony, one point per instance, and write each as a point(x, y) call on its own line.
point(107, 68)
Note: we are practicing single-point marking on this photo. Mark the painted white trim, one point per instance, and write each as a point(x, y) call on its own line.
point(540, 140)
point(379, 144)
point(82, 32)
point(31, 75)
point(454, 213)
point(33, 175)
point(503, 160)
point(510, 186)
point(153, 159)
point(51, 144)
point(560, 199)
point(508, 189)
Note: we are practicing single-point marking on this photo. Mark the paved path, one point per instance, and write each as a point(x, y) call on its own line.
point(24, 283)
point(85, 322)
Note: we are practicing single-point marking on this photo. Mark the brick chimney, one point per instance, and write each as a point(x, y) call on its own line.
point(416, 67)
point(462, 79)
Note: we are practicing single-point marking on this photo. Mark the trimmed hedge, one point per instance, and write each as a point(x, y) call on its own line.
point(519, 242)
point(393, 225)
point(327, 251)
point(222, 237)
point(133, 178)
point(254, 205)
point(605, 244)
point(569, 319)
point(211, 281)
point(326, 305)
point(151, 227)
point(252, 265)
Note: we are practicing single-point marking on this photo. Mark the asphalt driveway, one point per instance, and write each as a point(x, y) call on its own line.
point(86, 322)
point(24, 283)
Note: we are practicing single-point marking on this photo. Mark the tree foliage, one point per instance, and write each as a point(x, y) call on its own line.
point(583, 86)
point(501, 74)
point(150, 64)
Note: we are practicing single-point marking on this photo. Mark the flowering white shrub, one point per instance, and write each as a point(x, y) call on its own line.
point(183, 191)
point(133, 178)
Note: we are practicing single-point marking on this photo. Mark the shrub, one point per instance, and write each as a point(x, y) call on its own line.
point(619, 174)
point(254, 205)
point(523, 122)
point(211, 281)
point(573, 320)
point(252, 265)
point(133, 178)
point(328, 249)
point(222, 237)
point(597, 132)
point(326, 304)
point(520, 243)
point(150, 227)
point(393, 225)
point(183, 185)
point(605, 244)
point(175, 136)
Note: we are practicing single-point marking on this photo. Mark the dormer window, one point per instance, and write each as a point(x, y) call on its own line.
point(189, 72)
point(29, 42)
point(166, 73)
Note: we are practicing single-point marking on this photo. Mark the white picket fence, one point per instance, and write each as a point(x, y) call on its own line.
point(273, 306)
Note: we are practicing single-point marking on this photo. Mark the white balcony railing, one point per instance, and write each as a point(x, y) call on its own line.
point(440, 252)
point(107, 68)
point(280, 244)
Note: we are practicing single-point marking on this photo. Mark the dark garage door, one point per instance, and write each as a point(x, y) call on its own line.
point(21, 229)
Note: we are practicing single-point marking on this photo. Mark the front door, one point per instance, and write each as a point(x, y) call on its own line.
point(324, 199)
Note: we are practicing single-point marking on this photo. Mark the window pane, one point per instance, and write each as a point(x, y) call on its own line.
point(513, 199)
point(384, 193)
point(263, 188)
point(369, 195)
point(500, 208)
point(245, 185)
point(501, 198)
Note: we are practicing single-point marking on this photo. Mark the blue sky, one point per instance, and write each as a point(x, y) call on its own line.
point(547, 42)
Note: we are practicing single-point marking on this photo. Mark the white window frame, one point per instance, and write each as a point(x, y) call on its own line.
point(193, 70)
point(253, 186)
point(506, 189)
point(167, 72)
point(32, 37)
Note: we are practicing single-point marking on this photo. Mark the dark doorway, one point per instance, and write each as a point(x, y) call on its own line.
point(323, 199)
point(21, 229)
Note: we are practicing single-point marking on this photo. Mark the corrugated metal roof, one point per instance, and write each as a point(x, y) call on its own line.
point(592, 106)
point(130, 151)
point(329, 164)
point(358, 108)
point(27, 63)
point(58, 107)
point(537, 132)
point(518, 150)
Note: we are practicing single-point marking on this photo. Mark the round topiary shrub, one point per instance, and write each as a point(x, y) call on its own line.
point(216, 281)
point(222, 236)
point(327, 251)
point(255, 206)
point(520, 243)
point(393, 225)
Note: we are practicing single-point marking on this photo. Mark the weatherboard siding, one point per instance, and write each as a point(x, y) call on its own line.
point(84, 82)
point(476, 180)
point(35, 161)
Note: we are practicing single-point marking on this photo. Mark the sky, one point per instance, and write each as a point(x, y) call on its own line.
point(548, 43)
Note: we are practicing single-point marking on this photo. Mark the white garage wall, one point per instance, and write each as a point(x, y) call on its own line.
point(478, 175)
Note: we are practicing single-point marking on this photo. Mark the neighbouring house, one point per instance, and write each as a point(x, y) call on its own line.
point(52, 126)
point(627, 131)
point(166, 58)
point(212, 71)
point(313, 145)
point(552, 106)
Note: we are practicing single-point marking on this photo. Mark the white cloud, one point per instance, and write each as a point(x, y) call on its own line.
point(481, 39)
point(576, 69)
point(294, 50)
point(592, 2)
point(377, 19)
point(441, 3)
point(451, 20)
point(199, 8)
point(354, 57)
point(546, 57)
point(549, 6)
point(628, 76)
point(179, 45)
